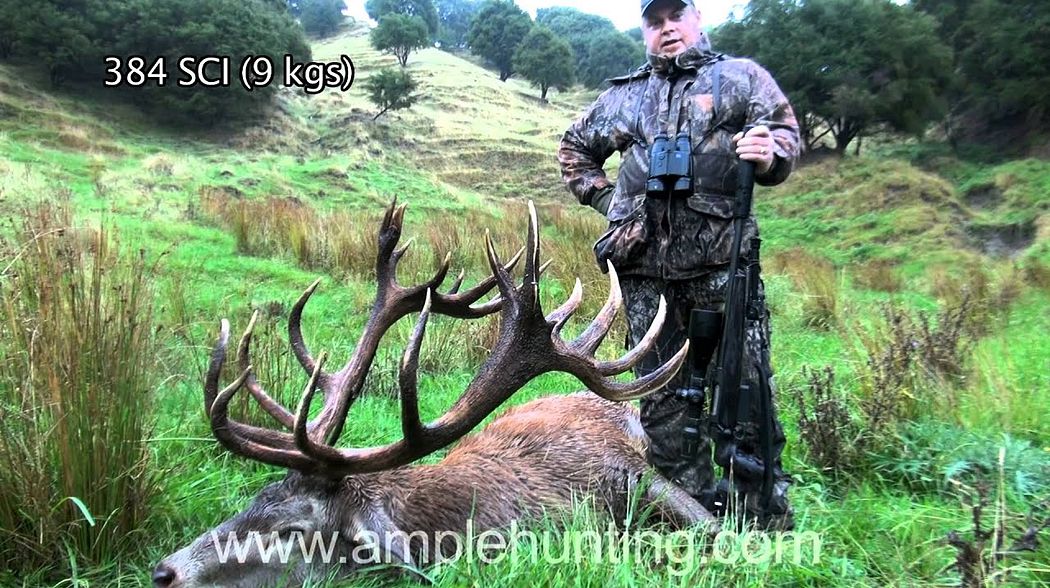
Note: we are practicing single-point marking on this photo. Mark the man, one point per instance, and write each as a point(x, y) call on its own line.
point(679, 245)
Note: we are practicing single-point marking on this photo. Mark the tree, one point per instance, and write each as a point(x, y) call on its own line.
point(424, 9)
point(175, 28)
point(391, 89)
point(847, 65)
point(70, 37)
point(1001, 50)
point(576, 27)
point(400, 35)
point(10, 19)
point(1007, 65)
point(320, 17)
point(454, 18)
point(544, 60)
point(582, 30)
point(496, 32)
point(62, 38)
point(608, 55)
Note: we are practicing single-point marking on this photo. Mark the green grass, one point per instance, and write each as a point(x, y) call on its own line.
point(465, 157)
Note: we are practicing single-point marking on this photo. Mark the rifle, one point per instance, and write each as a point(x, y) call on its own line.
point(725, 333)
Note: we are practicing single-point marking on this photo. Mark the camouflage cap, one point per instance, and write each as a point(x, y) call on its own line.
point(647, 3)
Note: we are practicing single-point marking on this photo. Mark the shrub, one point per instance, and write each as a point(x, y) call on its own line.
point(833, 442)
point(979, 559)
point(932, 456)
point(989, 296)
point(390, 89)
point(908, 357)
point(1037, 274)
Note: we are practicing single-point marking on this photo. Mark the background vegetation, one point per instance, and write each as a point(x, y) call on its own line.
point(909, 285)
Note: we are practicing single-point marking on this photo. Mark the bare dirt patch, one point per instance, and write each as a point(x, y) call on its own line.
point(984, 196)
point(1002, 240)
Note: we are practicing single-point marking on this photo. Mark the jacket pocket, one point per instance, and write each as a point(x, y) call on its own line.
point(711, 204)
point(626, 236)
point(715, 173)
point(710, 226)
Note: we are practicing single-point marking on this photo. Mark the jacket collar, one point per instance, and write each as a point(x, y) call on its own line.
point(691, 59)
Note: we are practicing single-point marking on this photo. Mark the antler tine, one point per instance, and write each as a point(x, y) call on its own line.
point(270, 447)
point(271, 406)
point(501, 275)
point(407, 378)
point(218, 357)
point(462, 304)
point(632, 356)
point(266, 446)
point(561, 315)
point(592, 337)
point(302, 414)
point(531, 280)
point(216, 401)
point(390, 228)
point(295, 330)
point(434, 281)
point(623, 391)
point(457, 283)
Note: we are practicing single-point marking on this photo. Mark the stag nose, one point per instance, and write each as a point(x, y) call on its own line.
point(163, 576)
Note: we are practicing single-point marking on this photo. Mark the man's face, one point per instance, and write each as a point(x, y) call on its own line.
point(669, 26)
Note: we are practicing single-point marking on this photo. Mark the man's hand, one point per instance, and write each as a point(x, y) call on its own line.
point(756, 146)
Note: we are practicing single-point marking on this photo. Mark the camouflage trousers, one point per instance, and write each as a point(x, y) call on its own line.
point(664, 413)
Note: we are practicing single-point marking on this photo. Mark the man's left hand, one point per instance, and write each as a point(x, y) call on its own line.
point(757, 146)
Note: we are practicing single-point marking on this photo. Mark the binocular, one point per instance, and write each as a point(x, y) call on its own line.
point(670, 164)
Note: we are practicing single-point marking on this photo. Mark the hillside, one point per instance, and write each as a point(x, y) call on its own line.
point(921, 280)
point(472, 137)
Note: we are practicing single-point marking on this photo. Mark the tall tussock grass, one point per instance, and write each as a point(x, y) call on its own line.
point(816, 278)
point(988, 294)
point(77, 350)
point(344, 243)
point(879, 275)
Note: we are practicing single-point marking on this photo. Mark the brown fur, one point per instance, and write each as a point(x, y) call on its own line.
point(533, 458)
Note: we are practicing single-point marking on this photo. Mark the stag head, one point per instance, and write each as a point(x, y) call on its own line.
point(339, 499)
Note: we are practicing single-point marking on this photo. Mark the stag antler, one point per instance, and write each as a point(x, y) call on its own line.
point(528, 345)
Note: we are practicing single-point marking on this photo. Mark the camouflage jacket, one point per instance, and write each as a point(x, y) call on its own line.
point(680, 238)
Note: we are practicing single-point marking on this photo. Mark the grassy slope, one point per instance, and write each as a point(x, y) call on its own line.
point(472, 139)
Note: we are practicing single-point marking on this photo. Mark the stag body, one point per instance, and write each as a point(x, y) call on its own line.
point(534, 459)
